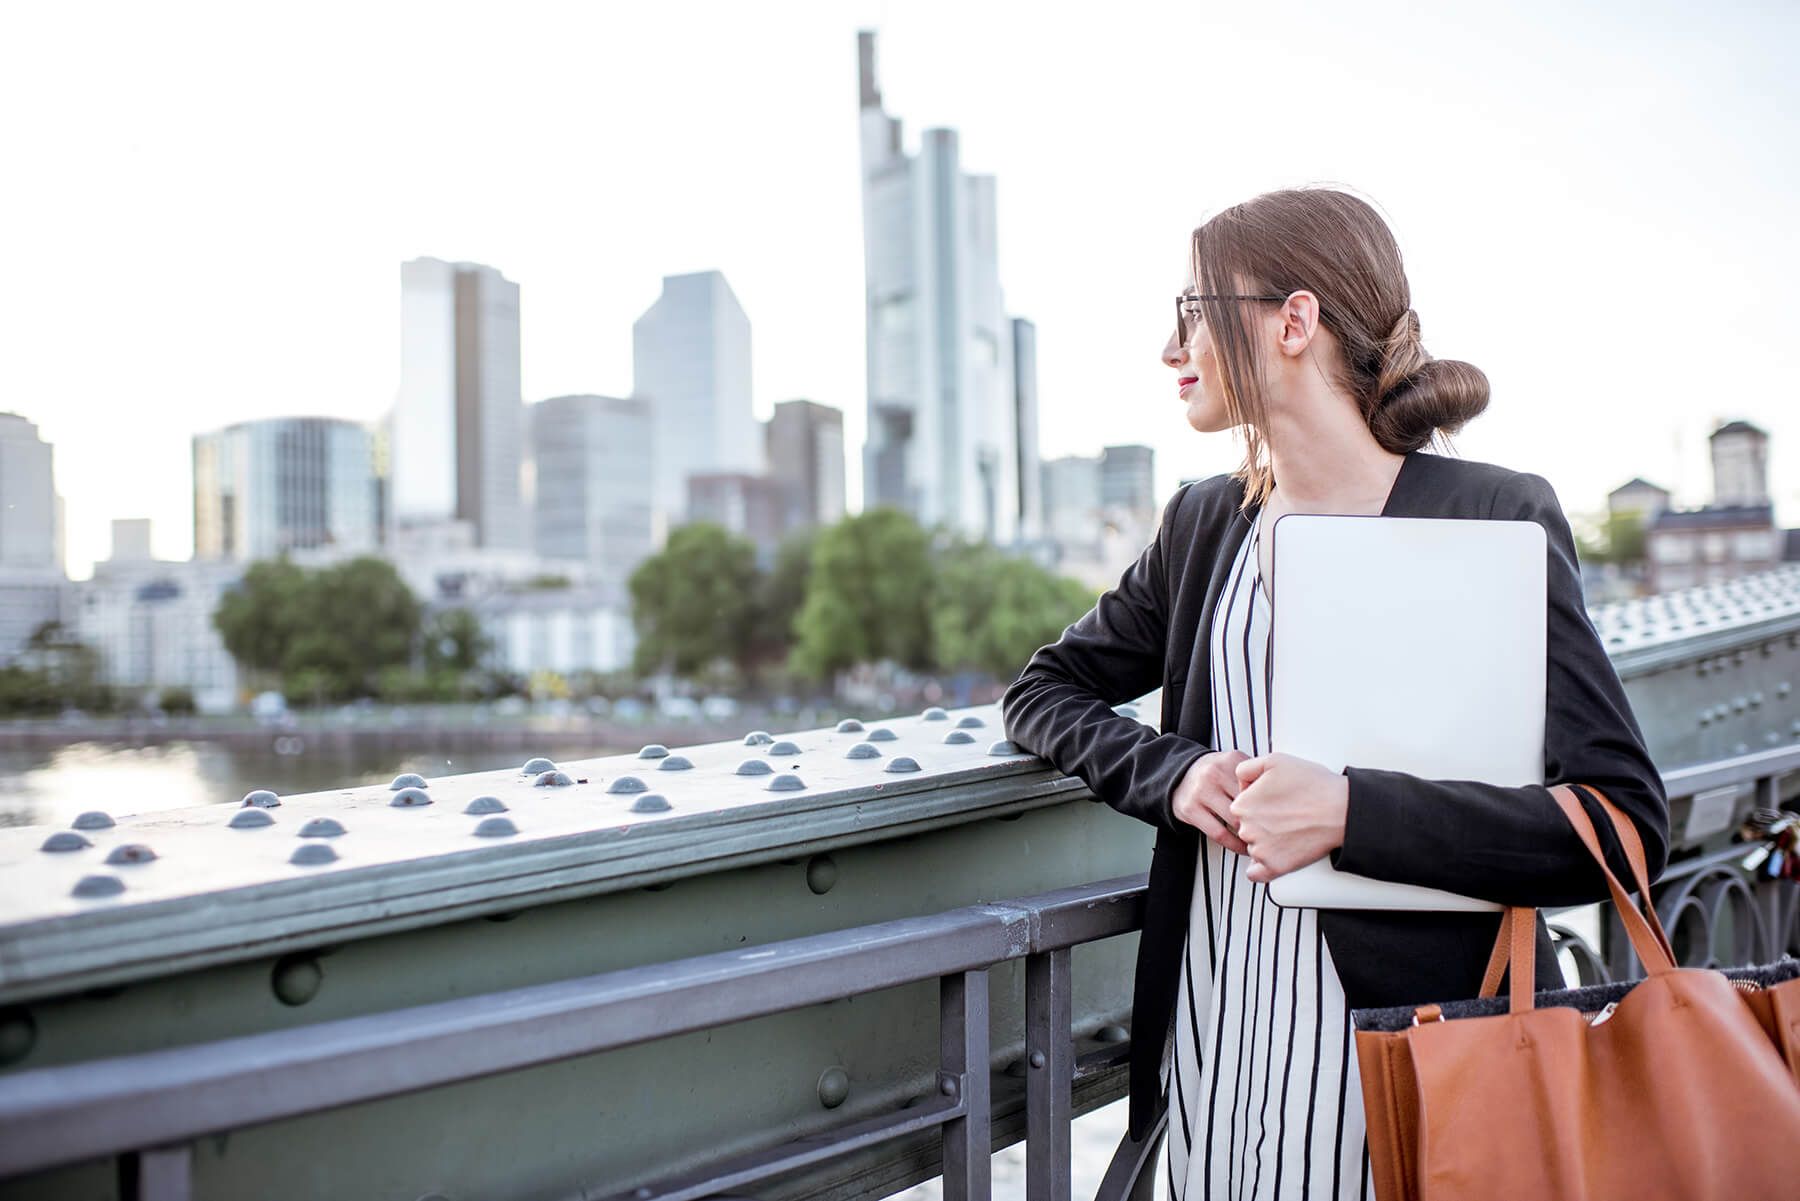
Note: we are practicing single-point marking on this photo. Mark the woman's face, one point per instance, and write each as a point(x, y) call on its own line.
point(1196, 369)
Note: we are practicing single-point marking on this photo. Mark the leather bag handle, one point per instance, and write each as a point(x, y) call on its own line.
point(1634, 856)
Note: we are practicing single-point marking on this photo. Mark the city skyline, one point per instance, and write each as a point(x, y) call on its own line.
point(1571, 175)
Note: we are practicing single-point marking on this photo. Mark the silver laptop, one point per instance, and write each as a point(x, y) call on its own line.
point(1406, 644)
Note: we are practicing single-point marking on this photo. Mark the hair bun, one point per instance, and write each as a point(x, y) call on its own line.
point(1437, 395)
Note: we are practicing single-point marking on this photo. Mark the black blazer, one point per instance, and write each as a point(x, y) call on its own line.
point(1510, 845)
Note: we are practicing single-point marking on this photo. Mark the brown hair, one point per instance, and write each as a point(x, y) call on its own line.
point(1337, 247)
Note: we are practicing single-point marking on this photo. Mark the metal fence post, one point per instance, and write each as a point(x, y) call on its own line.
point(166, 1173)
point(963, 1039)
point(1050, 1056)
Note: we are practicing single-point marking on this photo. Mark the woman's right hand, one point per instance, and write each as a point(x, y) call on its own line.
point(1203, 797)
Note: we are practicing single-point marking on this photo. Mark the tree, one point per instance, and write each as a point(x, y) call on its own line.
point(868, 595)
point(991, 610)
point(780, 595)
point(453, 641)
point(259, 618)
point(692, 605)
point(328, 632)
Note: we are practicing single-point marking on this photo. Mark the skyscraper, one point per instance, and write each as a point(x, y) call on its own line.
point(458, 427)
point(28, 500)
point(691, 362)
point(283, 484)
point(1128, 480)
point(806, 454)
point(593, 456)
point(1025, 417)
point(943, 436)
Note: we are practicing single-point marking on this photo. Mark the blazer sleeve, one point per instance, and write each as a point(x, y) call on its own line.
point(1513, 845)
point(1060, 707)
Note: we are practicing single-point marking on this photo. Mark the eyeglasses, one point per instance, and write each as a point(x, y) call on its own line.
point(1189, 312)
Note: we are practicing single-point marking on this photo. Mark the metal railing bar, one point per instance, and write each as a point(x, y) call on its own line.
point(1049, 1072)
point(1103, 1059)
point(1068, 917)
point(759, 1165)
point(166, 1173)
point(964, 1060)
point(1686, 781)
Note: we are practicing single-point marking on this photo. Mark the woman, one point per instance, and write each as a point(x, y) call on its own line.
point(1296, 330)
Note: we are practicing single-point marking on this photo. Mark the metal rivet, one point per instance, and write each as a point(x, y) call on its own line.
point(1037, 1059)
point(65, 840)
point(882, 734)
point(787, 781)
point(93, 819)
point(650, 802)
point(958, 737)
point(758, 738)
point(626, 785)
point(1004, 747)
point(934, 714)
point(99, 886)
point(821, 874)
point(655, 750)
point(1016, 1069)
point(134, 852)
point(410, 798)
point(407, 779)
point(322, 827)
point(970, 722)
point(537, 767)
point(1111, 1033)
point(552, 779)
point(863, 750)
point(312, 854)
point(849, 726)
point(645, 1193)
point(18, 1034)
point(262, 798)
point(903, 763)
point(834, 1087)
point(1125, 711)
point(753, 767)
point(784, 747)
point(947, 1086)
point(495, 827)
point(296, 979)
point(485, 804)
point(676, 763)
point(250, 819)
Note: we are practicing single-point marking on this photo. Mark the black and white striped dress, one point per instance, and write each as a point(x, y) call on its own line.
point(1264, 1096)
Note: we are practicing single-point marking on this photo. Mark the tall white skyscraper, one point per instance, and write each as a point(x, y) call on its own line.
point(943, 434)
point(284, 484)
point(1025, 410)
point(458, 427)
point(593, 456)
point(28, 501)
point(691, 362)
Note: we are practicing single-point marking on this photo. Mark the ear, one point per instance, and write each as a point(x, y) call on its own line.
point(1299, 322)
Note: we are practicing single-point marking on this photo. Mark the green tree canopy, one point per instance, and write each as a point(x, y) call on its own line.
point(990, 610)
point(868, 597)
point(780, 595)
point(693, 604)
point(259, 618)
point(453, 641)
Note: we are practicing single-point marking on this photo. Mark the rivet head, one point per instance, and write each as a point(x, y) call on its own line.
point(753, 767)
point(1004, 747)
point(849, 726)
point(787, 781)
point(552, 779)
point(65, 840)
point(863, 750)
point(882, 734)
point(262, 798)
point(903, 763)
point(821, 874)
point(758, 738)
point(650, 802)
point(537, 767)
point(410, 798)
point(407, 779)
point(250, 819)
point(485, 804)
point(784, 747)
point(626, 785)
point(93, 819)
point(135, 852)
point(934, 714)
point(1111, 1033)
point(834, 1087)
point(970, 722)
point(959, 737)
point(296, 979)
point(676, 763)
point(1037, 1059)
point(18, 1034)
point(495, 827)
point(947, 1086)
point(312, 855)
point(89, 887)
point(322, 827)
point(655, 750)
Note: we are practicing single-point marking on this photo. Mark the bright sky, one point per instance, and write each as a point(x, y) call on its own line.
point(207, 205)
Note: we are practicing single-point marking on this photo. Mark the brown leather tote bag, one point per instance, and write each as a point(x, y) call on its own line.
point(1686, 1086)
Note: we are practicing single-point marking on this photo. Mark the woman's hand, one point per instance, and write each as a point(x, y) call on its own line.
point(1203, 798)
point(1289, 812)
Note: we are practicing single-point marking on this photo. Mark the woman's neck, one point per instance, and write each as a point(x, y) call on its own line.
point(1325, 459)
